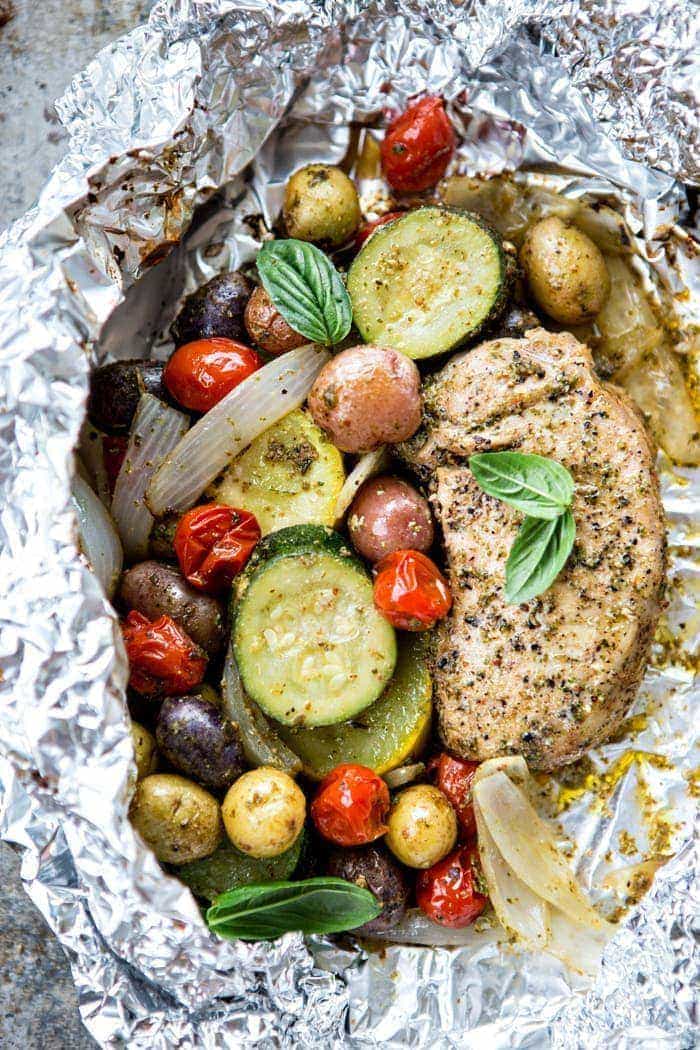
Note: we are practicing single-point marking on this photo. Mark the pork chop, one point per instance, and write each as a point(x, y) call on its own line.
point(552, 677)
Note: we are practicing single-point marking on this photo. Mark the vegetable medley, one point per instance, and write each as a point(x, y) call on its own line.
point(279, 572)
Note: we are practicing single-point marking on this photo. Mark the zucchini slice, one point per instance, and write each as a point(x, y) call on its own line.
point(310, 645)
point(289, 475)
point(391, 732)
point(227, 869)
point(428, 281)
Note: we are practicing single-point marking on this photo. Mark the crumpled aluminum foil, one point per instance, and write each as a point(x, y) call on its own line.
point(235, 94)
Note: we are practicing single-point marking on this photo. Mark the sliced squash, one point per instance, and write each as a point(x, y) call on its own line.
point(290, 475)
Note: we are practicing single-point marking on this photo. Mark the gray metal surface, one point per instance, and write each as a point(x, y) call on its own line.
point(42, 43)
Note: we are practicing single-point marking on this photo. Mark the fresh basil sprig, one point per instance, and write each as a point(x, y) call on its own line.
point(535, 485)
point(306, 289)
point(543, 490)
point(267, 910)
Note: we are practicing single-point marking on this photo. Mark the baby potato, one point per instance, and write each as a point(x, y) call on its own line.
point(321, 205)
point(194, 736)
point(179, 820)
point(266, 326)
point(372, 868)
point(215, 309)
point(422, 826)
point(144, 750)
point(565, 270)
point(389, 515)
point(264, 812)
point(365, 397)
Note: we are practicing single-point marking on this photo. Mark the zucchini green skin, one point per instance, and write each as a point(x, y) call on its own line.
point(429, 281)
point(310, 645)
point(228, 869)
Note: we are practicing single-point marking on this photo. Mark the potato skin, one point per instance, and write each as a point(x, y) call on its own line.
point(264, 812)
point(565, 271)
point(389, 515)
point(145, 754)
point(195, 737)
point(115, 390)
point(372, 868)
point(266, 326)
point(215, 309)
point(422, 826)
point(321, 205)
point(161, 590)
point(366, 397)
point(179, 820)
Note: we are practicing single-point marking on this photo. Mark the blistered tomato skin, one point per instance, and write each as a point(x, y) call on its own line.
point(418, 146)
point(199, 374)
point(410, 591)
point(213, 543)
point(448, 892)
point(351, 806)
point(368, 228)
point(163, 659)
point(454, 777)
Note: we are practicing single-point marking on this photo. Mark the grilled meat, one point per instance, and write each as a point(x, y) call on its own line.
point(552, 677)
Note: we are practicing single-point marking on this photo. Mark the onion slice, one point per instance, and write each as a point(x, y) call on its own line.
point(416, 928)
point(261, 744)
point(403, 775)
point(156, 430)
point(99, 541)
point(91, 450)
point(366, 467)
point(531, 886)
point(254, 405)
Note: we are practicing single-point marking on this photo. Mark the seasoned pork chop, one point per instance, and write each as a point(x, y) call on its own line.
point(552, 677)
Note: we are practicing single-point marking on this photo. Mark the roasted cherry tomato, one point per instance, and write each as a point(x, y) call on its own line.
point(449, 893)
point(454, 777)
point(113, 453)
point(213, 543)
point(199, 374)
point(351, 806)
point(417, 146)
point(410, 591)
point(163, 659)
point(369, 227)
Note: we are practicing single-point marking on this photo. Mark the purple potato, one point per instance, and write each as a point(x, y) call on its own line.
point(215, 309)
point(115, 391)
point(199, 741)
point(371, 868)
point(161, 590)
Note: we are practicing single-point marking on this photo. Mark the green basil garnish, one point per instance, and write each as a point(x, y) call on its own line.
point(535, 485)
point(306, 289)
point(543, 490)
point(265, 911)
point(540, 552)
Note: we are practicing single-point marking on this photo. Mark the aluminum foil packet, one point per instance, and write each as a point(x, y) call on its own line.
point(201, 115)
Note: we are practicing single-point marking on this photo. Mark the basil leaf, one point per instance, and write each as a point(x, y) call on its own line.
point(540, 552)
point(267, 910)
point(535, 485)
point(306, 289)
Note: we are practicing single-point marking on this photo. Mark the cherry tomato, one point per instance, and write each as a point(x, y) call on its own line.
point(351, 806)
point(418, 146)
point(213, 543)
point(369, 227)
point(199, 374)
point(163, 659)
point(410, 591)
point(113, 452)
point(454, 777)
point(449, 892)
